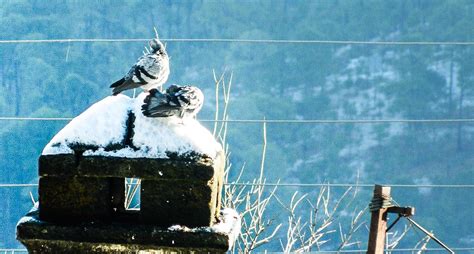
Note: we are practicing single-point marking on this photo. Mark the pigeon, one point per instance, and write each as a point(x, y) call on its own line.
point(150, 71)
point(179, 101)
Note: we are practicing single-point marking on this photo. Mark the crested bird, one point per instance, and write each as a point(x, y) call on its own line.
point(150, 71)
point(180, 101)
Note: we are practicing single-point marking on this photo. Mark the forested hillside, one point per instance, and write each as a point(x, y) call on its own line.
point(303, 81)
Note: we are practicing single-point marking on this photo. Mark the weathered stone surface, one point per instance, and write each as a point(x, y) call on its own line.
point(189, 202)
point(171, 202)
point(178, 190)
point(196, 168)
point(74, 198)
point(69, 247)
point(53, 164)
point(117, 194)
point(181, 190)
point(45, 237)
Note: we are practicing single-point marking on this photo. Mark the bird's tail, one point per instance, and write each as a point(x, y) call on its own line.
point(122, 85)
point(117, 84)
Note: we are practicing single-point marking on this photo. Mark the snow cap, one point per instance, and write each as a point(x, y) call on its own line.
point(115, 126)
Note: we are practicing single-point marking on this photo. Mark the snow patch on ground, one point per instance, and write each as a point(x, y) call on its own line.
point(104, 125)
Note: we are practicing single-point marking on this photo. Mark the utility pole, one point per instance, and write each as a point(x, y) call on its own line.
point(380, 206)
point(378, 220)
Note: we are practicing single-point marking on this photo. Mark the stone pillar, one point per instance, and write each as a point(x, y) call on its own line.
point(81, 205)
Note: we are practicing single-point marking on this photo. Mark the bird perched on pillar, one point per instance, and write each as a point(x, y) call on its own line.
point(150, 71)
point(180, 101)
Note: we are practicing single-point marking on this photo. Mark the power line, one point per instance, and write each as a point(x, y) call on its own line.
point(343, 121)
point(7, 185)
point(353, 185)
point(357, 185)
point(230, 40)
point(8, 118)
point(325, 251)
point(387, 250)
point(279, 121)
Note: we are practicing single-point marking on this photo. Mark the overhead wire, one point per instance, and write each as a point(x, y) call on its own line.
point(6, 185)
point(278, 121)
point(233, 40)
point(353, 185)
point(405, 250)
point(448, 186)
point(331, 251)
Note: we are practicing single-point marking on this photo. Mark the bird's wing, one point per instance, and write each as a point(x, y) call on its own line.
point(157, 104)
point(125, 85)
point(152, 65)
point(133, 79)
point(178, 101)
point(129, 82)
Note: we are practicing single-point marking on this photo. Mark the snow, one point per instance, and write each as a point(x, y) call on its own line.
point(124, 152)
point(229, 224)
point(105, 124)
point(157, 135)
point(26, 219)
point(100, 125)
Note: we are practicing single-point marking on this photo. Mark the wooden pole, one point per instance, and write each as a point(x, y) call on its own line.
point(378, 222)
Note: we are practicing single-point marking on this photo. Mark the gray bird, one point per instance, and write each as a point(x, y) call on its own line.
point(150, 71)
point(180, 101)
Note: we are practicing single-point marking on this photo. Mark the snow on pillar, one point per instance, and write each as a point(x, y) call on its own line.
point(82, 185)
